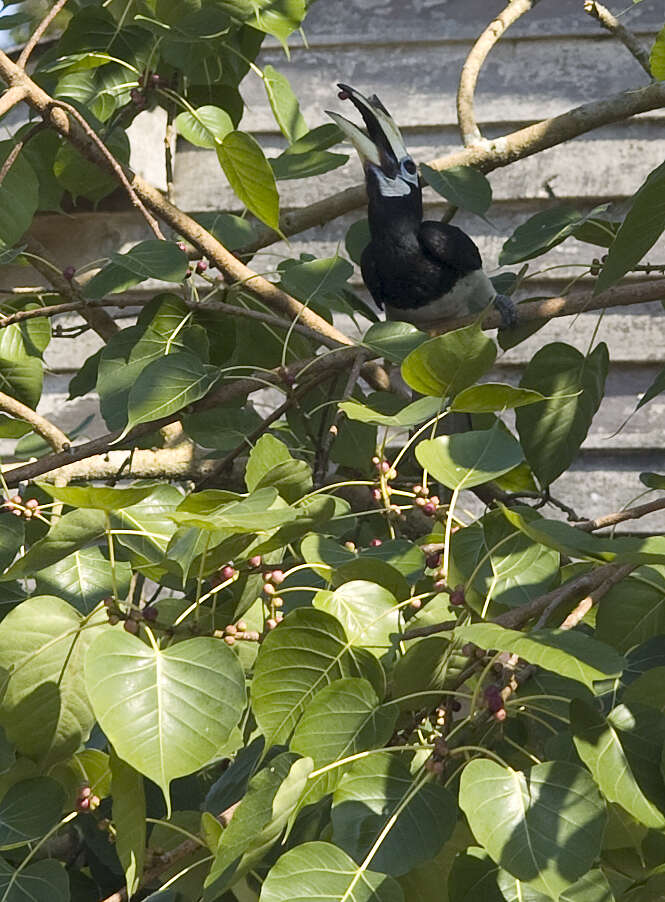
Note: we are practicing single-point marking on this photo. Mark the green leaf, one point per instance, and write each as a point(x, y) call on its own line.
point(185, 700)
point(367, 612)
point(205, 126)
point(21, 368)
point(592, 887)
point(542, 232)
point(284, 104)
point(657, 56)
point(256, 513)
point(99, 498)
point(12, 536)
point(544, 826)
point(147, 260)
point(446, 364)
point(497, 562)
point(320, 870)
point(468, 459)
point(648, 689)
point(494, 396)
point(70, 533)
point(258, 821)
point(270, 464)
point(43, 881)
point(622, 753)
point(19, 196)
point(308, 651)
point(305, 165)
point(45, 711)
point(28, 810)
point(641, 228)
point(634, 610)
point(373, 791)
point(393, 340)
point(462, 186)
point(250, 176)
point(84, 578)
point(83, 178)
point(129, 814)
point(168, 384)
point(552, 432)
point(566, 652)
point(232, 231)
point(410, 415)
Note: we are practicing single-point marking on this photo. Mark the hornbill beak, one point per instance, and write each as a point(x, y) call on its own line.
point(382, 144)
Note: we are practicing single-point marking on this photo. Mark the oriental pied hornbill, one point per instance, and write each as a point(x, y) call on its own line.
point(419, 271)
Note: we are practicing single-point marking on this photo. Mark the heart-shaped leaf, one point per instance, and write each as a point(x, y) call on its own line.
point(28, 810)
point(462, 186)
point(544, 826)
point(205, 126)
point(250, 175)
point(367, 611)
point(41, 881)
point(444, 365)
point(162, 260)
point(181, 703)
point(468, 459)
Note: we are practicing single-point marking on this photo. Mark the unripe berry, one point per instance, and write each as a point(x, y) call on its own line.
point(242, 626)
point(278, 577)
point(375, 543)
point(277, 602)
point(271, 624)
point(113, 619)
point(182, 246)
point(429, 508)
point(229, 640)
point(500, 714)
point(269, 589)
point(255, 561)
point(231, 629)
point(416, 604)
point(384, 466)
point(227, 572)
point(440, 585)
point(85, 792)
point(376, 494)
point(376, 461)
point(83, 805)
point(32, 504)
point(350, 546)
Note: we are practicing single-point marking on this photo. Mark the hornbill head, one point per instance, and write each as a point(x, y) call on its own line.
point(388, 166)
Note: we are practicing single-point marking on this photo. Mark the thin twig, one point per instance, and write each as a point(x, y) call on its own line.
point(13, 96)
point(429, 630)
point(16, 150)
point(466, 117)
point(38, 32)
point(631, 513)
point(48, 431)
point(610, 22)
point(326, 445)
point(581, 609)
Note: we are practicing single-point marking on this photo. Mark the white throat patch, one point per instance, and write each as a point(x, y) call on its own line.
point(396, 187)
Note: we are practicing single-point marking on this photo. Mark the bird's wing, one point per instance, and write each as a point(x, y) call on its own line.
point(449, 245)
point(371, 277)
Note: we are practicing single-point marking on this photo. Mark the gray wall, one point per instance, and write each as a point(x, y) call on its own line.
point(410, 53)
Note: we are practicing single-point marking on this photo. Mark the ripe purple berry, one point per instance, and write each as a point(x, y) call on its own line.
point(457, 596)
point(201, 266)
point(69, 272)
point(149, 614)
point(131, 626)
point(433, 560)
point(429, 508)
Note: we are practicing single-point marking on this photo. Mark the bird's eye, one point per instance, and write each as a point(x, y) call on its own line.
point(410, 166)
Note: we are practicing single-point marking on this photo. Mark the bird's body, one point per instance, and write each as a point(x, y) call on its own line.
point(419, 271)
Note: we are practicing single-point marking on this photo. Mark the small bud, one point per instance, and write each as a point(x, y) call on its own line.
point(242, 626)
point(255, 561)
point(271, 623)
point(83, 805)
point(227, 572)
point(376, 461)
point(85, 792)
point(435, 500)
point(420, 502)
point(278, 577)
point(391, 474)
point(384, 467)
point(440, 585)
point(416, 604)
point(69, 272)
point(230, 640)
point(201, 266)
point(376, 495)
point(417, 489)
point(182, 246)
point(95, 802)
point(277, 602)
point(375, 543)
point(350, 546)
point(231, 629)
point(269, 589)
point(131, 626)
point(32, 504)
point(267, 576)
point(457, 596)
point(109, 602)
point(27, 514)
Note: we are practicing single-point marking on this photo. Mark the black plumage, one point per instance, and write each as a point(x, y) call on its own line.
point(418, 271)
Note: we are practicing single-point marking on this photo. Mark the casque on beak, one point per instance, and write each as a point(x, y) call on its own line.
point(382, 144)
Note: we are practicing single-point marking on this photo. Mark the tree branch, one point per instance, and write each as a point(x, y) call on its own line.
point(466, 118)
point(11, 98)
point(486, 157)
point(50, 433)
point(16, 150)
point(582, 608)
point(611, 23)
point(631, 513)
point(324, 451)
point(39, 31)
